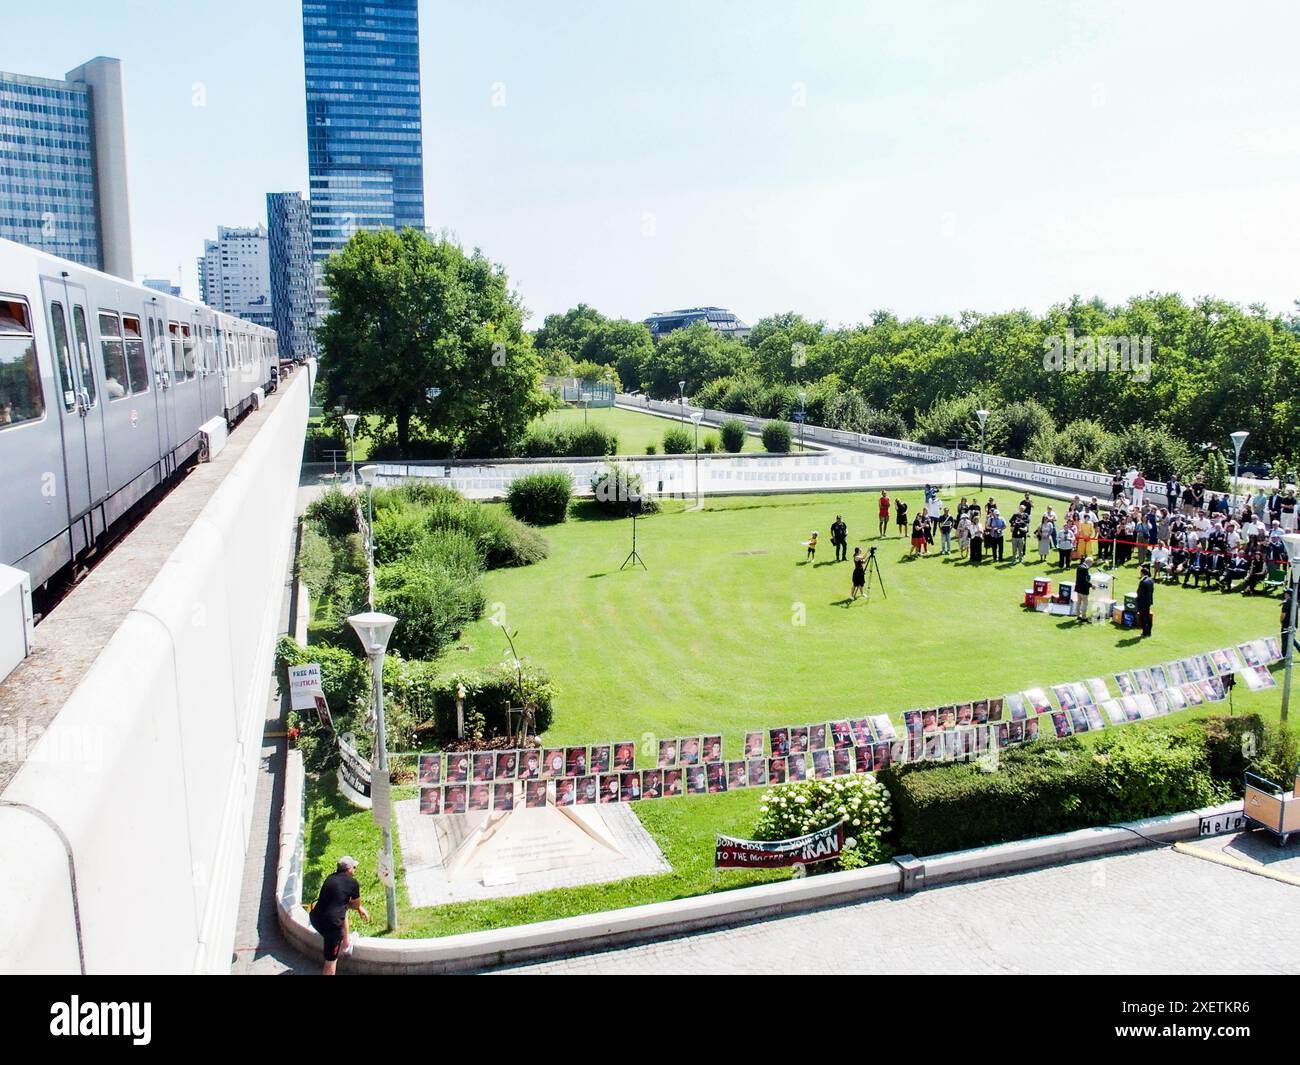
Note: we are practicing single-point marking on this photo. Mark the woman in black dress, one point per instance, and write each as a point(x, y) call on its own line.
point(976, 538)
point(859, 573)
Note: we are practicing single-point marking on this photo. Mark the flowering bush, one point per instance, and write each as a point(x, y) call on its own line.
point(790, 810)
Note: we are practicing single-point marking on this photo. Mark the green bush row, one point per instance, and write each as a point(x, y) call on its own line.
point(540, 498)
point(562, 440)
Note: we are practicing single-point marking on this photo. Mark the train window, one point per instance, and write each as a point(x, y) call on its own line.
point(20, 378)
point(116, 383)
point(187, 344)
point(178, 366)
point(63, 353)
point(82, 335)
point(137, 366)
point(159, 336)
point(210, 358)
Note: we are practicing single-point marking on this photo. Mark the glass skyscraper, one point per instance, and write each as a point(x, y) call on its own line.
point(364, 148)
point(293, 288)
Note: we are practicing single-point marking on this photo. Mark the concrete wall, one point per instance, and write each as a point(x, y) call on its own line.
point(146, 778)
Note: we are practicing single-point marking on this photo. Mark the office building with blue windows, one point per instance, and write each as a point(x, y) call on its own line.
point(293, 287)
point(364, 147)
point(63, 165)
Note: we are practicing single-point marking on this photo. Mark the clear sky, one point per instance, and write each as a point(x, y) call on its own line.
point(826, 156)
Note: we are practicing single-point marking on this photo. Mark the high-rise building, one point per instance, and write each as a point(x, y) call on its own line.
point(293, 287)
point(163, 285)
point(63, 165)
point(235, 273)
point(364, 149)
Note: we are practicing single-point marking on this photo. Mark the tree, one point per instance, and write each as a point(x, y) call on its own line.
point(695, 355)
point(411, 313)
point(561, 339)
point(626, 346)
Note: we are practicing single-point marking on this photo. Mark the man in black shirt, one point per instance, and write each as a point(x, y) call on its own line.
point(840, 539)
point(1019, 532)
point(329, 916)
point(1146, 593)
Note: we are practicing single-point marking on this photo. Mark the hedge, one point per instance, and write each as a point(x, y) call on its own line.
point(733, 435)
point(540, 498)
point(677, 441)
point(1050, 787)
point(548, 440)
point(427, 700)
point(776, 437)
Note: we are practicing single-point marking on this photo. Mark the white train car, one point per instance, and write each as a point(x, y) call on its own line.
point(103, 388)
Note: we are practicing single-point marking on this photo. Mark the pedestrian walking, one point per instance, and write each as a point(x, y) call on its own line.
point(338, 894)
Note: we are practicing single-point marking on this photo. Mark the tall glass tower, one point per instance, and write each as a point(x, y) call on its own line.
point(364, 150)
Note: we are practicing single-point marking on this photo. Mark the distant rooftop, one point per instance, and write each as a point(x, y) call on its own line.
point(718, 318)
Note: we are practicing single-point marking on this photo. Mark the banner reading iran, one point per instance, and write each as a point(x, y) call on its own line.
point(819, 846)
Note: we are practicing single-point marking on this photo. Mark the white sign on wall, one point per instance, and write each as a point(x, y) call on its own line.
point(306, 693)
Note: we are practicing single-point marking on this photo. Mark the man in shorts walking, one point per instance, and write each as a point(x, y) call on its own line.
point(329, 916)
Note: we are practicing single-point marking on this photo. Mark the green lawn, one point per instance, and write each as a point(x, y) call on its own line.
point(636, 431)
point(728, 629)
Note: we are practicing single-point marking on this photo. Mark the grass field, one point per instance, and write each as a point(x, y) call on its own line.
point(729, 629)
point(635, 431)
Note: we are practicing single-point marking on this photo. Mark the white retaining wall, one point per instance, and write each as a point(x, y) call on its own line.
point(148, 773)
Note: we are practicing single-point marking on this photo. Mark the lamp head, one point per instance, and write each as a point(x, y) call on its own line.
point(983, 416)
point(1238, 438)
point(350, 420)
point(373, 630)
point(681, 386)
point(697, 416)
point(368, 475)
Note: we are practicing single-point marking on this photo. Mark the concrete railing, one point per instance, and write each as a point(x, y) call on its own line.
point(153, 821)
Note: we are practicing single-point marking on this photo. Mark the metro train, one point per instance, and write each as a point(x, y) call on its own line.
point(104, 386)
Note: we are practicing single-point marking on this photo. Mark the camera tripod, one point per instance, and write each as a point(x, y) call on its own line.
point(633, 559)
point(873, 567)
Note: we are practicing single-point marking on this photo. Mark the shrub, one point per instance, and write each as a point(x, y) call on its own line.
point(540, 498)
point(1047, 788)
point(677, 441)
point(886, 423)
point(427, 700)
point(561, 440)
point(397, 533)
point(1156, 452)
point(733, 435)
point(502, 540)
point(1024, 421)
point(616, 490)
point(345, 679)
point(432, 605)
point(776, 437)
point(334, 513)
point(955, 418)
point(1218, 476)
point(710, 444)
point(315, 559)
point(790, 810)
point(651, 449)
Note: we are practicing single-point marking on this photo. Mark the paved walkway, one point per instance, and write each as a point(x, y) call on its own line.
point(1152, 911)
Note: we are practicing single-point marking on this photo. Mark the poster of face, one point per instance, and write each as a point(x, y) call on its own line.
point(1082, 697)
point(484, 763)
point(951, 745)
point(1159, 680)
point(753, 745)
point(1194, 668)
point(882, 755)
point(842, 735)
point(566, 791)
point(860, 732)
point(912, 720)
point(983, 733)
point(1015, 732)
point(1176, 673)
point(1161, 699)
point(1095, 721)
point(503, 796)
point(430, 800)
point(1250, 653)
point(1193, 694)
point(1114, 711)
point(1145, 682)
point(816, 737)
point(575, 761)
point(821, 765)
point(780, 738)
point(1097, 689)
point(798, 739)
point(1063, 695)
point(688, 751)
point(507, 761)
point(430, 769)
point(453, 799)
point(1274, 648)
point(588, 790)
point(667, 753)
point(534, 794)
point(1031, 729)
point(1002, 732)
point(842, 761)
point(480, 797)
point(1176, 699)
point(738, 773)
point(652, 784)
point(1213, 689)
point(1132, 712)
point(1125, 684)
point(863, 759)
point(898, 752)
point(1223, 663)
point(1061, 722)
point(797, 766)
point(530, 765)
point(929, 722)
point(1017, 707)
point(1037, 699)
point(553, 763)
point(610, 787)
point(966, 713)
point(697, 782)
point(672, 783)
point(915, 746)
point(712, 749)
point(947, 717)
point(624, 756)
point(631, 786)
point(1146, 705)
point(717, 777)
point(600, 759)
point(777, 771)
point(980, 712)
point(995, 708)
point(458, 768)
point(934, 747)
point(882, 726)
point(1258, 678)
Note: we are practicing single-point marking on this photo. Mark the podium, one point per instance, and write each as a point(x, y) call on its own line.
point(1266, 806)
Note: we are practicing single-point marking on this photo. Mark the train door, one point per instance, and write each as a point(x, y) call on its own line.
point(185, 387)
point(83, 420)
point(162, 378)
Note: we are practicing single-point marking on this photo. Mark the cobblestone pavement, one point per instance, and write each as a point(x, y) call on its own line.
point(1151, 911)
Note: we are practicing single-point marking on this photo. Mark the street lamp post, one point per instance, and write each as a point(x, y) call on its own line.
point(1238, 440)
point(368, 479)
point(350, 420)
point(696, 416)
point(983, 416)
point(1292, 544)
point(374, 630)
point(681, 399)
point(803, 417)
